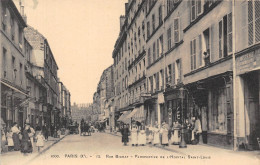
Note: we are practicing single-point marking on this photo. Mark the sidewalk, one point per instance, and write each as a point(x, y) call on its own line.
point(203, 150)
point(9, 158)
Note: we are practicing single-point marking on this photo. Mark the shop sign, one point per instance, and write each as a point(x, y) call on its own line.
point(248, 62)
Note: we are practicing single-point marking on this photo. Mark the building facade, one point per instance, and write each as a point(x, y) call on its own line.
point(45, 67)
point(13, 81)
point(197, 67)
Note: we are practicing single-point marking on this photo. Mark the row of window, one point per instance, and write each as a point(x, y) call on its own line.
point(171, 75)
point(14, 70)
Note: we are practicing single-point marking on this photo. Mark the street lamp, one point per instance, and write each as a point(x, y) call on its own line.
point(182, 96)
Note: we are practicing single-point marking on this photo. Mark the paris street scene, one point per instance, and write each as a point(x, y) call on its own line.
point(130, 82)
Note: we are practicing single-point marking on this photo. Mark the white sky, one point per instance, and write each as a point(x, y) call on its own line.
point(81, 34)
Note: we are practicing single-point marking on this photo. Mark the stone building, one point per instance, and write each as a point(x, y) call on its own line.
point(46, 67)
point(14, 93)
point(198, 66)
point(65, 105)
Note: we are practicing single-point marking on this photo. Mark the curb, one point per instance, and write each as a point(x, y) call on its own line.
point(163, 148)
point(44, 150)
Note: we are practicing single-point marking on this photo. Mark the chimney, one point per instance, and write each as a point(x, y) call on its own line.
point(22, 12)
point(122, 21)
point(126, 7)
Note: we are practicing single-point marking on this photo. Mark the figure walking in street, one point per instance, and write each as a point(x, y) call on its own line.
point(40, 141)
point(16, 139)
point(196, 131)
point(45, 131)
point(125, 133)
point(142, 135)
point(26, 145)
point(134, 133)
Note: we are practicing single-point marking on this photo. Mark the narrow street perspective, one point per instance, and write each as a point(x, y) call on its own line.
point(130, 82)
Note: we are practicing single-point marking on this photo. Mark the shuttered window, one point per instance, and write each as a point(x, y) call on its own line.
point(149, 57)
point(225, 36)
point(169, 35)
point(229, 33)
point(253, 21)
point(193, 54)
point(176, 30)
point(200, 51)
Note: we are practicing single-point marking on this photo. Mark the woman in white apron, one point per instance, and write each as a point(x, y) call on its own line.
point(175, 137)
point(142, 135)
point(164, 132)
point(134, 137)
point(156, 135)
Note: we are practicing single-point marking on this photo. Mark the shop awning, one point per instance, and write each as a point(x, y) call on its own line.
point(132, 113)
point(124, 115)
point(139, 115)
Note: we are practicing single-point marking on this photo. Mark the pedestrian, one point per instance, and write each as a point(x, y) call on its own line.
point(156, 135)
point(31, 134)
point(134, 135)
point(10, 141)
point(45, 131)
point(142, 135)
point(26, 145)
point(150, 134)
point(196, 131)
point(125, 133)
point(164, 132)
point(40, 141)
point(3, 139)
point(175, 137)
point(16, 132)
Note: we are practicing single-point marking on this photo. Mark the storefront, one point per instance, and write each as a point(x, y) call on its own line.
point(248, 75)
point(210, 100)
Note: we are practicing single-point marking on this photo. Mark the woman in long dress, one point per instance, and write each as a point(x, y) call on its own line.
point(142, 135)
point(125, 134)
point(156, 135)
point(15, 136)
point(10, 141)
point(134, 137)
point(150, 134)
point(26, 145)
point(164, 132)
point(175, 136)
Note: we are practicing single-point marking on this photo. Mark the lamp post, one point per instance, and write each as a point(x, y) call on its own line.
point(182, 96)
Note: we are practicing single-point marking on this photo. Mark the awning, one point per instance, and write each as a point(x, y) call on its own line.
point(17, 90)
point(124, 115)
point(132, 113)
point(139, 115)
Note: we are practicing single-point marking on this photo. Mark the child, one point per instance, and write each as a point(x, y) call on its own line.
point(10, 141)
point(40, 141)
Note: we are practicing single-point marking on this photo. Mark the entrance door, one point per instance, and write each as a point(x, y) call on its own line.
point(252, 109)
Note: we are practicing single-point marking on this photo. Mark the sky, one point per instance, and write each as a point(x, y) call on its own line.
point(81, 34)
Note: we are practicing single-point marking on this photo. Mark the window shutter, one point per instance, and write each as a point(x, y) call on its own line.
point(200, 51)
point(149, 57)
point(194, 53)
point(257, 21)
point(220, 36)
point(199, 7)
point(166, 76)
point(162, 77)
point(191, 59)
point(180, 75)
point(173, 74)
point(250, 23)
point(193, 10)
point(157, 81)
point(176, 30)
point(229, 33)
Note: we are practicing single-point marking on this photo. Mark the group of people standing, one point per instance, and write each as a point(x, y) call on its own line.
point(142, 135)
point(18, 139)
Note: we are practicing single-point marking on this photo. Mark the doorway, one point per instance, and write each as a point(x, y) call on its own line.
point(252, 115)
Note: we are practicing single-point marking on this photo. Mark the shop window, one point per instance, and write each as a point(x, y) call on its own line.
point(218, 113)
